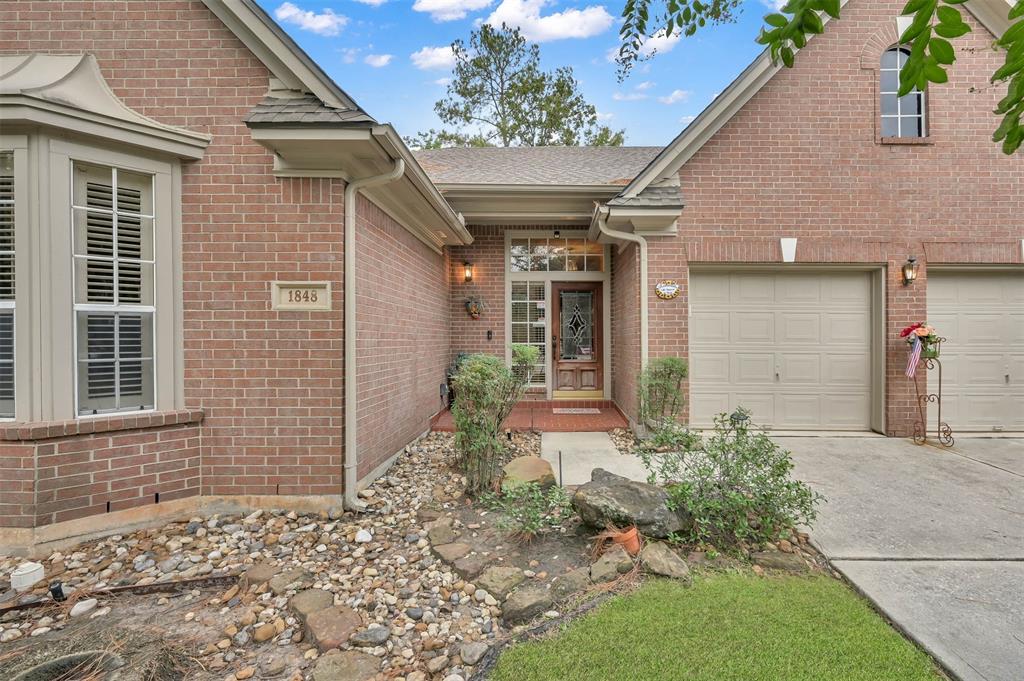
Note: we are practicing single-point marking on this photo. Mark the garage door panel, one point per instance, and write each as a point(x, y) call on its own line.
point(752, 290)
point(753, 367)
point(812, 328)
point(981, 315)
point(755, 328)
point(713, 328)
point(797, 411)
point(710, 367)
point(800, 368)
point(796, 327)
point(847, 328)
point(847, 370)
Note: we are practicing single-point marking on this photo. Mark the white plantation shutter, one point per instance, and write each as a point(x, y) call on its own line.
point(114, 305)
point(6, 285)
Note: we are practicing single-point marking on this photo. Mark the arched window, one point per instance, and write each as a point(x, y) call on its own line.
point(901, 116)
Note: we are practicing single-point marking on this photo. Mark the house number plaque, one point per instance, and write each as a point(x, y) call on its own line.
point(667, 289)
point(301, 295)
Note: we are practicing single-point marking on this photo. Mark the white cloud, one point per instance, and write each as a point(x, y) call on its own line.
point(686, 120)
point(658, 43)
point(378, 60)
point(449, 10)
point(628, 96)
point(325, 23)
point(571, 23)
point(675, 96)
point(349, 54)
point(776, 5)
point(644, 86)
point(372, 3)
point(605, 116)
point(443, 82)
point(433, 58)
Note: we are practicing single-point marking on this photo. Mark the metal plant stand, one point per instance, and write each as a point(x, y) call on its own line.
point(942, 430)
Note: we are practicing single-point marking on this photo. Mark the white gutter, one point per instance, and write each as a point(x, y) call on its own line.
point(351, 499)
point(602, 226)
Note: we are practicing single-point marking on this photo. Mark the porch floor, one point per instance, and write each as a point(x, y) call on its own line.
point(543, 417)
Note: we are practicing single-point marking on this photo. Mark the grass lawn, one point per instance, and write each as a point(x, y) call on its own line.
point(724, 627)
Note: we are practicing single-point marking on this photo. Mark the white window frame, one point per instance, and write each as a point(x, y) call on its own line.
point(11, 305)
point(548, 277)
point(18, 146)
point(920, 116)
point(117, 308)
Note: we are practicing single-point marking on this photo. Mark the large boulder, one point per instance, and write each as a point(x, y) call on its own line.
point(611, 565)
point(527, 469)
point(657, 558)
point(610, 498)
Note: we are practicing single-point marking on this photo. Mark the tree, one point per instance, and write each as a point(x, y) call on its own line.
point(500, 96)
point(934, 24)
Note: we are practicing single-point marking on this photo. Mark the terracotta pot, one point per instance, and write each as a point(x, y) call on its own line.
point(630, 540)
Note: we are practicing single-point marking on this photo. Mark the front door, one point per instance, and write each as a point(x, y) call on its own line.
point(576, 336)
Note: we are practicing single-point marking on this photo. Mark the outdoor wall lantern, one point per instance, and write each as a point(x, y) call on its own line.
point(468, 266)
point(909, 271)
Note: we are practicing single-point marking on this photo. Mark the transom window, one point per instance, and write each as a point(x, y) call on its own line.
point(901, 116)
point(528, 323)
point(552, 254)
point(112, 217)
point(6, 285)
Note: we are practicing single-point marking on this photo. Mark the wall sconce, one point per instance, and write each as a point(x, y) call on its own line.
point(910, 271)
point(468, 267)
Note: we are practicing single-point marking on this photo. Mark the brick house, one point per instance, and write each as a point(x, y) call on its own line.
point(224, 284)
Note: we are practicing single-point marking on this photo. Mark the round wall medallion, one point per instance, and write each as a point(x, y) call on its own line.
point(667, 289)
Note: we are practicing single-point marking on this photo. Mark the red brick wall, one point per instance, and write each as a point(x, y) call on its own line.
point(487, 253)
point(801, 159)
point(402, 307)
point(17, 484)
point(625, 313)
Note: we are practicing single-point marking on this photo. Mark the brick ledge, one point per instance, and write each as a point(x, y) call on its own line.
point(45, 430)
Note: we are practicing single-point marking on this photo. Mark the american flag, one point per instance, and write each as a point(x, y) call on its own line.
point(915, 357)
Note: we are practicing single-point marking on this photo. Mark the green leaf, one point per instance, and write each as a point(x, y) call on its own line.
point(935, 73)
point(1012, 34)
point(912, 7)
point(948, 15)
point(942, 50)
point(1007, 70)
point(921, 21)
point(811, 22)
point(777, 20)
point(831, 8)
point(947, 31)
point(1017, 11)
point(909, 76)
point(787, 57)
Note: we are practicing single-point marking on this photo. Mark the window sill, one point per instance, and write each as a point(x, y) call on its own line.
point(906, 141)
point(44, 430)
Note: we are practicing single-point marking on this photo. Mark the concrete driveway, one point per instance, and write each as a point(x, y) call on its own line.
point(934, 536)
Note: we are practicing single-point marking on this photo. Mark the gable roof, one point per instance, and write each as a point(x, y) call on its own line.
point(304, 110)
point(525, 166)
point(992, 14)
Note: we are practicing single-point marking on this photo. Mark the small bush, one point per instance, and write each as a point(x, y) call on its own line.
point(528, 510)
point(660, 390)
point(485, 392)
point(736, 485)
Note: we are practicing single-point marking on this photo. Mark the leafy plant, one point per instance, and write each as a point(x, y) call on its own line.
point(935, 23)
point(486, 390)
point(660, 390)
point(528, 510)
point(736, 486)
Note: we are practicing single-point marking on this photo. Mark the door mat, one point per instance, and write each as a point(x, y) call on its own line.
point(575, 410)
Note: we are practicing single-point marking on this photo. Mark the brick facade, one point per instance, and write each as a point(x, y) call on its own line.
point(487, 253)
point(802, 159)
point(269, 382)
point(625, 331)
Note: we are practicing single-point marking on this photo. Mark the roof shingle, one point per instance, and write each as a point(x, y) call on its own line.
point(652, 197)
point(305, 110)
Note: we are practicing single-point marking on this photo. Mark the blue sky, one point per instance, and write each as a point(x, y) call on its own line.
point(392, 57)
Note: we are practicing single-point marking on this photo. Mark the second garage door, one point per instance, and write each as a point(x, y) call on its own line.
point(794, 348)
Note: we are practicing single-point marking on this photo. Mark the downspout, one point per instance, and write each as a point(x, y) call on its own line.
point(602, 226)
point(351, 499)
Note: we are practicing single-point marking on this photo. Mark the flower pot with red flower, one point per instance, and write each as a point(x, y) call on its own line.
point(925, 334)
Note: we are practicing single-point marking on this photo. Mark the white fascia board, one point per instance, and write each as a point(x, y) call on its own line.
point(505, 189)
point(269, 133)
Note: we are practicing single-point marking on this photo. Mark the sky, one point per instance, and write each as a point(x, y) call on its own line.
point(393, 56)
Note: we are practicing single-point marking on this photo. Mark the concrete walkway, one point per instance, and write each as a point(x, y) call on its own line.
point(581, 453)
point(934, 537)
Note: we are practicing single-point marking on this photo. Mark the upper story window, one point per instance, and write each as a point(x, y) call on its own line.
point(114, 303)
point(901, 116)
point(6, 285)
point(550, 254)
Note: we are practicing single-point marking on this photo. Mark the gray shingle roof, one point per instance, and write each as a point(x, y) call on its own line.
point(652, 197)
point(536, 165)
point(305, 110)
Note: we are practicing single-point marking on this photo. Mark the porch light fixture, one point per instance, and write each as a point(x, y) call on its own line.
point(910, 271)
point(468, 266)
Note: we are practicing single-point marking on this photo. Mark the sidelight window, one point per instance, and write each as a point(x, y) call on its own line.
point(7, 300)
point(528, 323)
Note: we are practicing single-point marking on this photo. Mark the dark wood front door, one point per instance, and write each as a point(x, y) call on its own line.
point(576, 336)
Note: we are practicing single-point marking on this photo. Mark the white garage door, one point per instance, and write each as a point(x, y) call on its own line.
point(794, 348)
point(981, 315)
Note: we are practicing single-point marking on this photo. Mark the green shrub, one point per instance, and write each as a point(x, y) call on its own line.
point(660, 390)
point(485, 392)
point(736, 485)
point(528, 510)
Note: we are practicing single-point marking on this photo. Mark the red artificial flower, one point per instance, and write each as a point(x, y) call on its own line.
point(910, 329)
